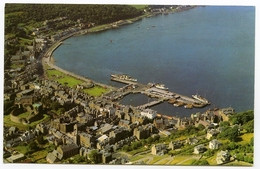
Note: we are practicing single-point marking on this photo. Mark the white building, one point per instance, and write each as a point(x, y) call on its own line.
point(149, 113)
point(214, 144)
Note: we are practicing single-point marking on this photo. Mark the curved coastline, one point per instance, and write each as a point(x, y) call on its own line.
point(48, 59)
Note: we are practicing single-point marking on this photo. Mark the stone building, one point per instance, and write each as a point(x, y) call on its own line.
point(223, 157)
point(199, 149)
point(68, 150)
point(159, 149)
point(214, 144)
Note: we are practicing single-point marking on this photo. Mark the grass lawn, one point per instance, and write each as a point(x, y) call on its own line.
point(212, 160)
point(15, 66)
point(39, 155)
point(157, 158)
point(22, 149)
point(45, 118)
point(96, 91)
point(9, 123)
point(178, 159)
point(139, 150)
point(63, 78)
point(163, 161)
point(70, 81)
point(53, 72)
point(188, 162)
point(24, 115)
point(246, 138)
point(181, 138)
point(139, 6)
point(135, 158)
point(100, 27)
point(238, 163)
point(25, 42)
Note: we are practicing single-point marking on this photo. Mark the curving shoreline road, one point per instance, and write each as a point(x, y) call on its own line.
point(47, 58)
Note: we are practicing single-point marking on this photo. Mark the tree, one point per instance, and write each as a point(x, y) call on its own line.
point(249, 126)
point(232, 146)
point(242, 118)
point(126, 148)
point(33, 146)
point(8, 106)
point(136, 145)
point(201, 127)
point(224, 124)
point(40, 139)
point(60, 111)
point(209, 153)
point(252, 141)
point(149, 140)
point(55, 105)
point(201, 162)
point(230, 133)
point(240, 156)
point(93, 156)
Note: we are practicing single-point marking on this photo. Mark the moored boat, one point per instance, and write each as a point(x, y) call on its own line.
point(161, 86)
point(201, 99)
point(123, 77)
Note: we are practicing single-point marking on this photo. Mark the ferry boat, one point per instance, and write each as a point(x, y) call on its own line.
point(198, 97)
point(161, 86)
point(123, 77)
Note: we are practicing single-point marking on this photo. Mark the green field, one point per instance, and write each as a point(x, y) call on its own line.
point(40, 156)
point(135, 158)
point(63, 78)
point(9, 123)
point(99, 28)
point(163, 161)
point(22, 149)
point(24, 115)
point(157, 158)
point(212, 160)
point(246, 138)
point(238, 163)
point(70, 81)
point(96, 91)
point(188, 162)
point(178, 159)
point(15, 66)
point(139, 6)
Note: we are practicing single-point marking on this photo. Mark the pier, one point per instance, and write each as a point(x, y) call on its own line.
point(123, 81)
point(162, 95)
point(150, 104)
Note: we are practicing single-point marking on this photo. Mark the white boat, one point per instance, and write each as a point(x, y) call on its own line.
point(123, 77)
point(161, 86)
point(198, 97)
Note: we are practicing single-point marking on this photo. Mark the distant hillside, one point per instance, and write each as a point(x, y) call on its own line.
point(98, 14)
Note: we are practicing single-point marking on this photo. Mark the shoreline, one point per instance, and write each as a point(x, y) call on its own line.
point(48, 58)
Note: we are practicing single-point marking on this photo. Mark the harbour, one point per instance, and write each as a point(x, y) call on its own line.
point(152, 91)
point(187, 67)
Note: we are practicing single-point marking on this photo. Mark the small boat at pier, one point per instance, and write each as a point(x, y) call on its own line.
point(123, 77)
point(161, 86)
point(201, 99)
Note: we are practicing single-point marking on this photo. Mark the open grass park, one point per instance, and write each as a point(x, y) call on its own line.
point(72, 82)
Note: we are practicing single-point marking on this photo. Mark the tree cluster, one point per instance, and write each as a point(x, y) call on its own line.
point(243, 117)
point(98, 14)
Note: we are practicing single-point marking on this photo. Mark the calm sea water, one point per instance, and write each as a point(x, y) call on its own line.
point(205, 50)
